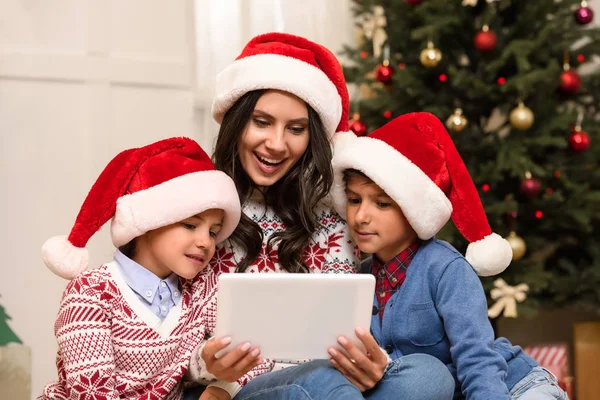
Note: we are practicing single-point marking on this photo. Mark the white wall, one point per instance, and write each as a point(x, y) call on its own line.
point(81, 80)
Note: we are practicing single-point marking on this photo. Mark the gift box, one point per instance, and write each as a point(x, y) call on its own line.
point(586, 337)
point(555, 358)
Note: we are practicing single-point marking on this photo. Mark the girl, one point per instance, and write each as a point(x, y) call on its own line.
point(127, 329)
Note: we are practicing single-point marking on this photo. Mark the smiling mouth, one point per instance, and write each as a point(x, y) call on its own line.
point(195, 257)
point(268, 161)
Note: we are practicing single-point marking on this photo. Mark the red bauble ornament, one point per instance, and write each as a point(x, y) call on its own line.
point(384, 73)
point(485, 40)
point(387, 114)
point(579, 140)
point(584, 15)
point(413, 2)
point(530, 187)
point(570, 82)
point(357, 126)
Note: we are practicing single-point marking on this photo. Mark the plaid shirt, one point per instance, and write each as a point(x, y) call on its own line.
point(391, 275)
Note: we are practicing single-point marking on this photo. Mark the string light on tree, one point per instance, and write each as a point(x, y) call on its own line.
point(457, 121)
point(521, 117)
point(430, 57)
point(485, 40)
point(584, 15)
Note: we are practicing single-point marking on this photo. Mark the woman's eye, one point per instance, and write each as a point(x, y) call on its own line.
point(188, 226)
point(261, 123)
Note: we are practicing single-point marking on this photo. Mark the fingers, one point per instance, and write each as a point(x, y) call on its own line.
point(250, 361)
point(355, 368)
point(371, 346)
point(213, 346)
point(234, 356)
point(347, 375)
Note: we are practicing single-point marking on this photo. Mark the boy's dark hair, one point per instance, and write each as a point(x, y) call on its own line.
point(128, 249)
point(351, 172)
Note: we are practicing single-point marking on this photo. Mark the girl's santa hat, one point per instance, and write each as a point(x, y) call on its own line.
point(413, 159)
point(291, 64)
point(144, 189)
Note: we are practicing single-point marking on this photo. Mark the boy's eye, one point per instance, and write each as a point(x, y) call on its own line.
point(352, 200)
point(213, 234)
point(383, 204)
point(188, 226)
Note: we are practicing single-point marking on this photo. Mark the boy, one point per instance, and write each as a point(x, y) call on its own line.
point(397, 188)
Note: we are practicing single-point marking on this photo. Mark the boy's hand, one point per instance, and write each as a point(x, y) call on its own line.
point(214, 393)
point(363, 370)
point(232, 365)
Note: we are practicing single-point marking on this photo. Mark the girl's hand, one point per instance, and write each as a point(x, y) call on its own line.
point(363, 370)
point(233, 365)
point(214, 393)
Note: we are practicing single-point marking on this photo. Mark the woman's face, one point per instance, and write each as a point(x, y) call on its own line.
point(275, 137)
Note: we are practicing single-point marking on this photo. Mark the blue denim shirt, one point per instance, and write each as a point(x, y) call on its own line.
point(441, 310)
point(157, 294)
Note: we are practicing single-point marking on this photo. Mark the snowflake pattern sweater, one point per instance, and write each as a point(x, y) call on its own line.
point(110, 346)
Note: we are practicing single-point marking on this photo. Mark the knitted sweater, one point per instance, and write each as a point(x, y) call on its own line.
point(331, 250)
point(110, 346)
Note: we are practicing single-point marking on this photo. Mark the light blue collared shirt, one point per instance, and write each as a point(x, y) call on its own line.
point(159, 295)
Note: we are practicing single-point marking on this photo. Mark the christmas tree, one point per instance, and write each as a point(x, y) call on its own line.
point(504, 76)
point(6, 334)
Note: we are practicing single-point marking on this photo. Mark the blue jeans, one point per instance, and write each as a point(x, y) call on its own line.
point(413, 377)
point(539, 384)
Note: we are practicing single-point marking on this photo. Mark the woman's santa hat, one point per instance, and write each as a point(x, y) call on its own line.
point(414, 160)
point(144, 189)
point(291, 64)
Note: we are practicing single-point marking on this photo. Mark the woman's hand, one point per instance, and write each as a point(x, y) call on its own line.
point(363, 370)
point(233, 365)
point(214, 393)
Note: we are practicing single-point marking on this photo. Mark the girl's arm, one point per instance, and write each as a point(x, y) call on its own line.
point(341, 253)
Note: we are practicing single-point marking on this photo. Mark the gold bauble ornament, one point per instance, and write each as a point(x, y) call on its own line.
point(457, 121)
point(430, 56)
point(521, 117)
point(517, 244)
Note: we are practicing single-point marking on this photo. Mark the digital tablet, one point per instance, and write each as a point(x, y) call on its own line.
point(293, 316)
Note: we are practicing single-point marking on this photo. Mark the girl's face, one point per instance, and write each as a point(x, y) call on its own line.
point(275, 137)
point(184, 248)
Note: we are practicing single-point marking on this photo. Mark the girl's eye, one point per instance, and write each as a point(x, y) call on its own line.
point(261, 123)
point(297, 130)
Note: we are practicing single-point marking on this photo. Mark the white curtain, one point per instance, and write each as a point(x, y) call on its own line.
point(223, 27)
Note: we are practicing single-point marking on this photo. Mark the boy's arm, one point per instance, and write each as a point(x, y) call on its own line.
point(462, 306)
point(341, 253)
point(83, 333)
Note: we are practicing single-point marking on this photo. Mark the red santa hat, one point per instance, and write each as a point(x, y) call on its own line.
point(413, 159)
point(143, 189)
point(291, 64)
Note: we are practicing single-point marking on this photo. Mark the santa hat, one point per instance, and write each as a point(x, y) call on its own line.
point(144, 189)
point(291, 64)
point(414, 160)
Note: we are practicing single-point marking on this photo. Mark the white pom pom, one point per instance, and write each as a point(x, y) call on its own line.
point(340, 139)
point(490, 255)
point(64, 259)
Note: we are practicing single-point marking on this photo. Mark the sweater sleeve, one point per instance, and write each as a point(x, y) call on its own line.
point(85, 353)
point(461, 304)
point(342, 254)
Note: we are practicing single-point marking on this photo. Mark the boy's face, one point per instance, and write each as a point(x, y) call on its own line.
point(376, 222)
point(184, 248)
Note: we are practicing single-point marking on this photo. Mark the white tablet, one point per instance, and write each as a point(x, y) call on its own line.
point(293, 316)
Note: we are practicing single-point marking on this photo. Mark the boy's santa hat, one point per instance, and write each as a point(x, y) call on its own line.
point(413, 159)
point(144, 189)
point(291, 64)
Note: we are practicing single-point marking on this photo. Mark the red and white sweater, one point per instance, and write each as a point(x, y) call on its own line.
point(331, 250)
point(110, 346)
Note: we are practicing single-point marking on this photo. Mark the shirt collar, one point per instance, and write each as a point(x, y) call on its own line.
point(142, 281)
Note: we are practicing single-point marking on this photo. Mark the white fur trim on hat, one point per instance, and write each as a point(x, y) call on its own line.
point(173, 201)
point(490, 255)
point(273, 71)
point(424, 204)
point(64, 259)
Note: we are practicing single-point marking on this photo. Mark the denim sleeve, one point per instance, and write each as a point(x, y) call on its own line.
point(461, 303)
